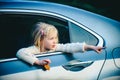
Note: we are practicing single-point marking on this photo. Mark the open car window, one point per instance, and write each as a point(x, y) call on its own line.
point(16, 31)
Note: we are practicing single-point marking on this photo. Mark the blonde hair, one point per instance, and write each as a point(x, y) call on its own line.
point(42, 30)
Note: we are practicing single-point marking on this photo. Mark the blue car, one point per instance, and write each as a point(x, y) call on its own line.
point(74, 25)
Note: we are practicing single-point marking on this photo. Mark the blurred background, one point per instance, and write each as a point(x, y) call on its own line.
point(108, 8)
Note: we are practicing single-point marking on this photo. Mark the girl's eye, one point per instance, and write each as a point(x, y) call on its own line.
point(51, 38)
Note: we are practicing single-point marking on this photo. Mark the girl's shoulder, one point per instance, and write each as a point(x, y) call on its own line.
point(33, 49)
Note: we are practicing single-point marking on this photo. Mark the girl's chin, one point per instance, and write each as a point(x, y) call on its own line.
point(50, 49)
point(53, 48)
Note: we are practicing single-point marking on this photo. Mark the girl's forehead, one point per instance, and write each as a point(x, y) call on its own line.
point(51, 31)
point(52, 34)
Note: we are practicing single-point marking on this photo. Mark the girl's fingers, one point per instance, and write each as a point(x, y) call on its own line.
point(47, 61)
point(99, 49)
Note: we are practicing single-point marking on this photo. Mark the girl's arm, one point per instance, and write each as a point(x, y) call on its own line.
point(77, 47)
point(71, 47)
point(98, 49)
point(27, 55)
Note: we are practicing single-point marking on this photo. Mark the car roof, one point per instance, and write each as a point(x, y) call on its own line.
point(65, 10)
point(78, 15)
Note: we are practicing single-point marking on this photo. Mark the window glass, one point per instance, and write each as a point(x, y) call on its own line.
point(78, 34)
point(16, 29)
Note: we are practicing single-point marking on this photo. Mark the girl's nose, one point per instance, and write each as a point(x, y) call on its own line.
point(54, 42)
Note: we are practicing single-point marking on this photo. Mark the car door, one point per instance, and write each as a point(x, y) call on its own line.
point(15, 33)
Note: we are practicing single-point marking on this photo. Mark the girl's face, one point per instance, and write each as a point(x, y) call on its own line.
point(50, 41)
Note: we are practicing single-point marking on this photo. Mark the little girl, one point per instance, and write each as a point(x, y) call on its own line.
point(45, 38)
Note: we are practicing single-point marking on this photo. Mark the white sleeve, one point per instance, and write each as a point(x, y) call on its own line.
point(26, 55)
point(70, 47)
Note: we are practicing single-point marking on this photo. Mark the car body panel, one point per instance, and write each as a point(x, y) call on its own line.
point(59, 73)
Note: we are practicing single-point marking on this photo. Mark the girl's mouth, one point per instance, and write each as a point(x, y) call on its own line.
point(53, 46)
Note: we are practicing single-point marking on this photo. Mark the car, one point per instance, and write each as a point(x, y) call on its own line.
point(74, 25)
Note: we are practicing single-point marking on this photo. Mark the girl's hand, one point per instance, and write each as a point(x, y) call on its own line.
point(98, 49)
point(44, 61)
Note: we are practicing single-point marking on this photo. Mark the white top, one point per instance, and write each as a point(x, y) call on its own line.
point(27, 54)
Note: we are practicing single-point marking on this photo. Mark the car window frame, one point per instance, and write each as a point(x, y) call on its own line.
point(41, 12)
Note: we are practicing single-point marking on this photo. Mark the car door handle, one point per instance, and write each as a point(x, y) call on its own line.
point(77, 65)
